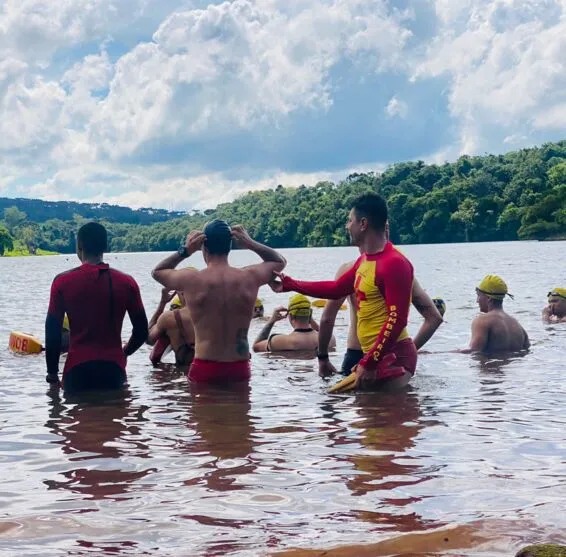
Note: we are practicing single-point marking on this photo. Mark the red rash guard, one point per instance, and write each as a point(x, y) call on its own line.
point(382, 283)
point(96, 299)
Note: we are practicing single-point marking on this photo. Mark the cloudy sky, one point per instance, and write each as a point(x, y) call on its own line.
point(186, 103)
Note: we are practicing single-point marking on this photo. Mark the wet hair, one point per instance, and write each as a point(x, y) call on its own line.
point(92, 238)
point(218, 237)
point(373, 207)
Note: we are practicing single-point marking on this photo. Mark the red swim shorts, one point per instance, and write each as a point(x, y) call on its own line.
point(209, 371)
point(402, 358)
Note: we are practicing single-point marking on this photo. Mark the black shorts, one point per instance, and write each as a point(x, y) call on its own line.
point(93, 376)
point(351, 358)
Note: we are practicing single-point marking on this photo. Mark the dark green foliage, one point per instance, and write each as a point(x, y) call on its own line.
point(519, 195)
point(6, 240)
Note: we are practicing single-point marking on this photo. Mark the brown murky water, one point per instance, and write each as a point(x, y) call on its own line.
point(471, 460)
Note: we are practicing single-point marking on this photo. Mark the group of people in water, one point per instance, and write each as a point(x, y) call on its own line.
point(211, 310)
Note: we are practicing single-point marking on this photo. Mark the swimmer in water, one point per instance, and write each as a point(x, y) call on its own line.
point(305, 328)
point(220, 298)
point(173, 328)
point(96, 299)
point(555, 311)
point(381, 280)
point(259, 310)
point(494, 331)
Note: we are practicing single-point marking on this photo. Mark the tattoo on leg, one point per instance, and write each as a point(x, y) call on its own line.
point(242, 345)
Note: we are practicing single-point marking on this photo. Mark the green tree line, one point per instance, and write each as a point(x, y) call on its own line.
point(518, 195)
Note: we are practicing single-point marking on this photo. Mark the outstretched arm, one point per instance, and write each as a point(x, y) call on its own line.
point(331, 290)
point(329, 315)
point(432, 318)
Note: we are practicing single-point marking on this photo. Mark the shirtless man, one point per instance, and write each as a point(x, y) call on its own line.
point(173, 328)
point(493, 331)
point(555, 311)
point(220, 299)
point(305, 328)
point(421, 301)
point(382, 280)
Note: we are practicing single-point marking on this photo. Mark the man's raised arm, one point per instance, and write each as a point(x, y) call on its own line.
point(165, 274)
point(273, 261)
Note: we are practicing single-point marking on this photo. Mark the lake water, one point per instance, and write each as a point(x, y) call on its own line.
point(470, 460)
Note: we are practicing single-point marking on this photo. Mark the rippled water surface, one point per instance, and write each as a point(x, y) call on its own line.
point(471, 460)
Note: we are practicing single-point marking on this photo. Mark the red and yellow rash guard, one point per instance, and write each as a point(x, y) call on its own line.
point(382, 284)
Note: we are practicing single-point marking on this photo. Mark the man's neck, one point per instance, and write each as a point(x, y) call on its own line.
point(217, 261)
point(373, 243)
point(93, 259)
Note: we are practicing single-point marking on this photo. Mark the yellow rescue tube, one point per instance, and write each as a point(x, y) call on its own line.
point(322, 303)
point(347, 384)
point(22, 343)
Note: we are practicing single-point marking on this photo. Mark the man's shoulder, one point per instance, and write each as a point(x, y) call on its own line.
point(124, 277)
point(396, 255)
point(166, 320)
point(66, 275)
point(346, 266)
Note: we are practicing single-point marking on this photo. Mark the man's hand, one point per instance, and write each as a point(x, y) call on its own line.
point(326, 368)
point(363, 376)
point(279, 314)
point(276, 282)
point(240, 236)
point(195, 241)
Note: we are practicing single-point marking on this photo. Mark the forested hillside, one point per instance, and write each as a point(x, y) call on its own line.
point(41, 211)
point(519, 195)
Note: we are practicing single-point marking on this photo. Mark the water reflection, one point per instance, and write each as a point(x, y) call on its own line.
point(95, 431)
point(476, 439)
point(388, 425)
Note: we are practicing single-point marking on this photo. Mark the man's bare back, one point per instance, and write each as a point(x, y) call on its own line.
point(494, 331)
point(498, 332)
point(221, 298)
point(221, 301)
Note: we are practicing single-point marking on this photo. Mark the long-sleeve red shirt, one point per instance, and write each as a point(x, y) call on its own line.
point(382, 283)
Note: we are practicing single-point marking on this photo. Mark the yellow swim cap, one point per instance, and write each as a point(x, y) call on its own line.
point(299, 306)
point(66, 326)
point(493, 287)
point(258, 303)
point(558, 293)
point(176, 302)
